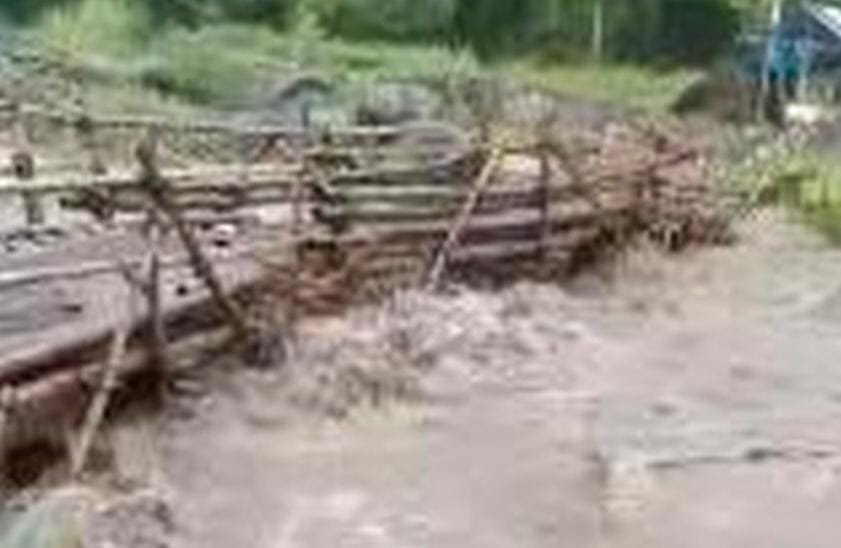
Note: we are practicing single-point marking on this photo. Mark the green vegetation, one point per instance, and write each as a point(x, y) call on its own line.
point(809, 184)
point(193, 52)
point(648, 31)
point(178, 56)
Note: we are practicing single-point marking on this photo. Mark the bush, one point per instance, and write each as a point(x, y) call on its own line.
point(211, 65)
point(402, 20)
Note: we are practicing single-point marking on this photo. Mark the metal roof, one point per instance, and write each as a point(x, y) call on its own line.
point(828, 16)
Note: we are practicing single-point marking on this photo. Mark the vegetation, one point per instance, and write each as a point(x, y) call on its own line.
point(661, 31)
point(809, 183)
point(638, 87)
point(219, 51)
point(179, 55)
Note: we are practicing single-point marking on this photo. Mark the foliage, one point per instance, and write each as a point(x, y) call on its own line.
point(220, 51)
point(641, 30)
point(810, 184)
point(400, 20)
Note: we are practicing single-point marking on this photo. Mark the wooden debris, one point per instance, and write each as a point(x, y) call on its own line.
point(359, 226)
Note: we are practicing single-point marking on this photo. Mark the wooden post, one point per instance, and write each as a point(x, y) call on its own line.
point(7, 397)
point(23, 166)
point(86, 132)
point(543, 190)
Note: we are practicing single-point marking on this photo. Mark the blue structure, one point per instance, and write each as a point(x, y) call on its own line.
point(806, 43)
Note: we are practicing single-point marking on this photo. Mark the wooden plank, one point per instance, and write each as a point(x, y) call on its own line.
point(427, 195)
point(138, 122)
point(212, 178)
point(451, 171)
point(385, 212)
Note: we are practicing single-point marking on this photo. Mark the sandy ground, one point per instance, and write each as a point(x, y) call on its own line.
point(689, 402)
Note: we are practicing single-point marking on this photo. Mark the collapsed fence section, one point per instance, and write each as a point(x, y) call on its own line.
point(357, 218)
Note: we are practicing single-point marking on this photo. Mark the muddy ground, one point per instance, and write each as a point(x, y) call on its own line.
point(689, 401)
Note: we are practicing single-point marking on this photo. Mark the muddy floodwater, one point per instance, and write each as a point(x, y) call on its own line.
point(689, 401)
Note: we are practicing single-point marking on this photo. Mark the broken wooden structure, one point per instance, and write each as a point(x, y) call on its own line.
point(358, 213)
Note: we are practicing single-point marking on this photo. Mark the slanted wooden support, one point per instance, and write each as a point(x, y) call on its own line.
point(7, 400)
point(545, 199)
point(463, 218)
point(157, 187)
point(110, 377)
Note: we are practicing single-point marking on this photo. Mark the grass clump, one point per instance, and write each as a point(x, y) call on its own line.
point(808, 184)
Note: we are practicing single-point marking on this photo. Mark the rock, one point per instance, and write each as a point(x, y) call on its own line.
point(429, 140)
point(392, 103)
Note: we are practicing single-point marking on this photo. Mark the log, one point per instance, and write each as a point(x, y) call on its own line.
point(144, 123)
point(204, 179)
point(64, 393)
point(17, 278)
point(80, 341)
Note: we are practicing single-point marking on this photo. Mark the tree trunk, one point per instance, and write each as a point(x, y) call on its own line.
point(598, 30)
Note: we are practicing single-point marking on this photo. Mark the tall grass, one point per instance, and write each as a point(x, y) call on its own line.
point(222, 64)
point(116, 43)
